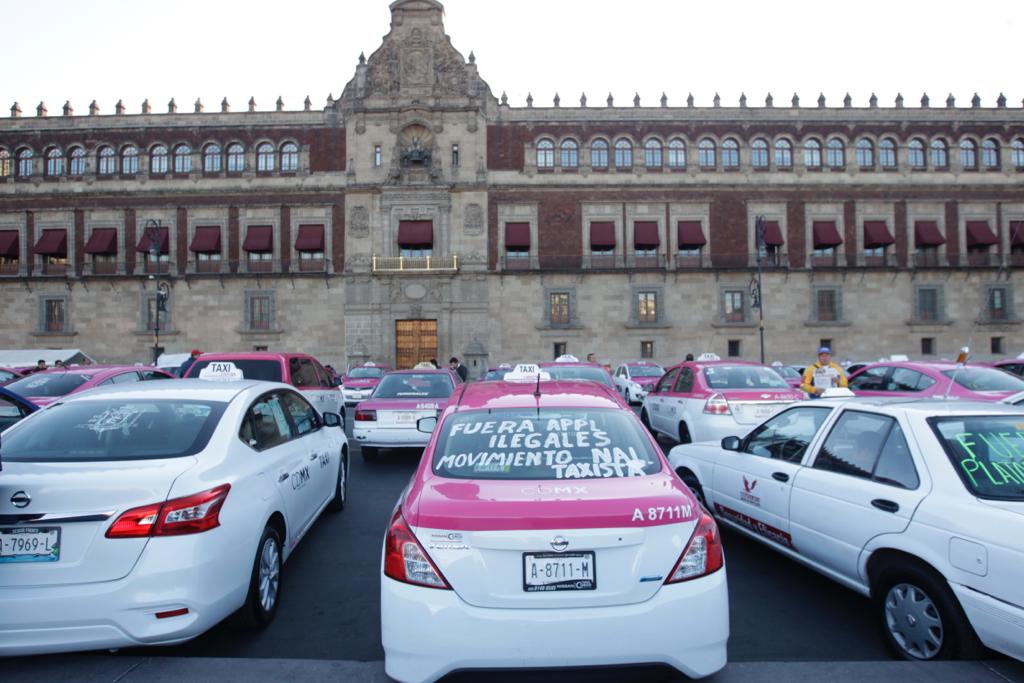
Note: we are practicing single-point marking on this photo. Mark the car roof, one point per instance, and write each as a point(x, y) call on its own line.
point(562, 393)
point(252, 355)
point(92, 369)
point(630, 363)
point(928, 406)
point(424, 371)
point(183, 389)
point(558, 364)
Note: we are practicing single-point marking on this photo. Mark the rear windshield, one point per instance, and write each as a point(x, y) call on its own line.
point(743, 377)
point(414, 386)
point(985, 379)
point(987, 452)
point(579, 372)
point(645, 371)
point(545, 444)
point(264, 370)
point(109, 430)
point(50, 384)
point(365, 373)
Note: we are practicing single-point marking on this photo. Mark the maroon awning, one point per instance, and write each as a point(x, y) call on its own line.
point(980, 235)
point(259, 238)
point(1016, 234)
point(102, 241)
point(9, 243)
point(927, 234)
point(52, 243)
point(517, 235)
point(876, 234)
point(690, 235)
point(602, 234)
point(773, 234)
point(645, 235)
point(311, 238)
point(164, 237)
point(206, 240)
point(826, 235)
point(415, 233)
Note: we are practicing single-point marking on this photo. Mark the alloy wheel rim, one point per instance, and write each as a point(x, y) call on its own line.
point(914, 621)
point(270, 574)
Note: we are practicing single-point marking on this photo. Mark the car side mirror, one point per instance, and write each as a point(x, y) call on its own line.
point(731, 443)
point(333, 420)
point(336, 382)
point(427, 425)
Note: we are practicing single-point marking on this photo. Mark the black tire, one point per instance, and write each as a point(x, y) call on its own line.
point(337, 503)
point(369, 453)
point(937, 627)
point(684, 433)
point(691, 483)
point(646, 421)
point(256, 613)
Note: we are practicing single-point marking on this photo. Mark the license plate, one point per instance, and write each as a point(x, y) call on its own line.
point(543, 572)
point(405, 418)
point(764, 411)
point(30, 544)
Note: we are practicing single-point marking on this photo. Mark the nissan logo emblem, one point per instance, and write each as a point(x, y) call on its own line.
point(559, 544)
point(21, 499)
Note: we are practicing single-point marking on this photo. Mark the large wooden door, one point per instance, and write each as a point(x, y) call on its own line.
point(415, 342)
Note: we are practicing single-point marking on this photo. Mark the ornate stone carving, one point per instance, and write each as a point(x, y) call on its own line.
point(473, 220)
point(359, 224)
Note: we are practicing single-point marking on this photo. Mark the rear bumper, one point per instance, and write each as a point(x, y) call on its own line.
point(429, 633)
point(354, 396)
point(998, 624)
point(390, 437)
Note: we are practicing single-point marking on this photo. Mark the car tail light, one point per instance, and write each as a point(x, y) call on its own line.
point(703, 554)
point(189, 515)
point(717, 405)
point(366, 415)
point(405, 559)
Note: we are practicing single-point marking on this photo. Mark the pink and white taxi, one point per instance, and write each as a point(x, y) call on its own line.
point(360, 381)
point(545, 529)
point(709, 399)
point(388, 418)
point(634, 379)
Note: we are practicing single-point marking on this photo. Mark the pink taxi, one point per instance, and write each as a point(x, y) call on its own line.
point(49, 386)
point(388, 418)
point(359, 382)
point(635, 379)
point(544, 528)
point(709, 399)
point(920, 380)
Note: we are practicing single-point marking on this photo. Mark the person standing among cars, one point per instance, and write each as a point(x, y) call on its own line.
point(823, 374)
point(189, 361)
point(458, 367)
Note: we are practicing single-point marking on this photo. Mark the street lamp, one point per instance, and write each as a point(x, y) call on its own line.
point(152, 232)
point(756, 291)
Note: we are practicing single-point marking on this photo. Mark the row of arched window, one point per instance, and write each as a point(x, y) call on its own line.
point(162, 160)
point(920, 154)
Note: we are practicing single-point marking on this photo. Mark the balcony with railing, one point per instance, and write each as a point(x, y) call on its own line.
point(403, 265)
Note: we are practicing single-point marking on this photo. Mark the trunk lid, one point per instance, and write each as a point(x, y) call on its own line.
point(401, 413)
point(82, 500)
point(756, 406)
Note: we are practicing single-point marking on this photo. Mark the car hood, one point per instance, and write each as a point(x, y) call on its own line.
point(646, 381)
point(360, 383)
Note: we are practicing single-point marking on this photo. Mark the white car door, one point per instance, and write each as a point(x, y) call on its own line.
point(622, 380)
point(659, 402)
point(862, 483)
point(321, 462)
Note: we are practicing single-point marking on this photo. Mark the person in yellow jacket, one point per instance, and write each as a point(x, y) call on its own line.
point(822, 375)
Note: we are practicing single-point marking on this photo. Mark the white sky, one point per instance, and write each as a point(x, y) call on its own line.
point(135, 49)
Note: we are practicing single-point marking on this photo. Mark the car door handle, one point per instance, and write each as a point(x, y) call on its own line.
point(886, 505)
point(283, 478)
point(314, 456)
point(780, 476)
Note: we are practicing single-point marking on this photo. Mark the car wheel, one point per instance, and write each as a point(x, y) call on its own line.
point(646, 421)
point(264, 584)
point(921, 618)
point(337, 504)
point(684, 433)
point(369, 453)
point(691, 483)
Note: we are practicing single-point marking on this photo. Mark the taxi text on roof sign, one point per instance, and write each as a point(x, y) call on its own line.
point(525, 372)
point(221, 372)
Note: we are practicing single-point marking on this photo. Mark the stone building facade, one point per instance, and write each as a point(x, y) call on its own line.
point(420, 216)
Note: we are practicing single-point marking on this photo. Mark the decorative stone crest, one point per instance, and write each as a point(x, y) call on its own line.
point(473, 220)
point(359, 222)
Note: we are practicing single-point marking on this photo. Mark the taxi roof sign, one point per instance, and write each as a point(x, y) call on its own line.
point(221, 371)
point(526, 372)
point(708, 357)
point(837, 392)
point(567, 358)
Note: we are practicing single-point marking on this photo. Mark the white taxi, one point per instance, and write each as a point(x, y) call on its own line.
point(634, 379)
point(144, 514)
point(916, 504)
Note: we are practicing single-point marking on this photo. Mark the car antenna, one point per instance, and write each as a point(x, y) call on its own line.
point(536, 392)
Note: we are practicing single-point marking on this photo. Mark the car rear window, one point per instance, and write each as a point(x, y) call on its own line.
point(52, 385)
point(109, 430)
point(365, 373)
point(987, 452)
point(743, 377)
point(409, 385)
point(528, 444)
point(985, 379)
point(264, 370)
point(579, 372)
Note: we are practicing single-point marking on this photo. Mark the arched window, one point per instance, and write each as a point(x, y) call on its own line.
point(212, 158)
point(835, 153)
point(759, 153)
point(265, 158)
point(730, 154)
point(990, 154)
point(236, 158)
point(968, 154)
point(1018, 153)
point(183, 159)
point(76, 166)
point(158, 160)
point(706, 154)
point(812, 154)
point(783, 153)
point(26, 163)
point(865, 153)
point(106, 161)
point(5, 163)
point(887, 153)
point(545, 154)
point(940, 154)
point(130, 160)
point(570, 154)
point(289, 157)
point(915, 154)
point(599, 154)
point(54, 162)
point(677, 153)
point(652, 154)
point(623, 153)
